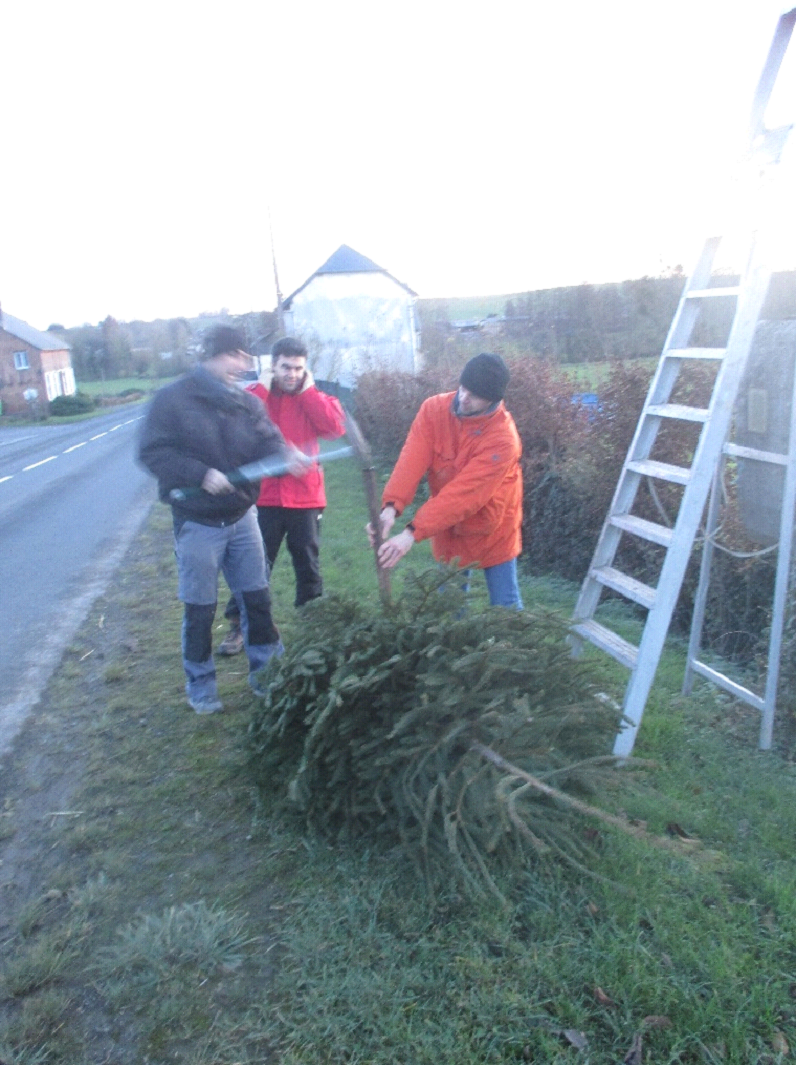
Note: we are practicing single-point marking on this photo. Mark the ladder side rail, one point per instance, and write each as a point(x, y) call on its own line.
point(701, 597)
point(627, 486)
point(765, 85)
point(687, 311)
point(692, 504)
point(667, 370)
point(784, 555)
point(663, 380)
point(725, 389)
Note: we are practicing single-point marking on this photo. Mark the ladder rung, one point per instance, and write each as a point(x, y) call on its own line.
point(712, 293)
point(627, 586)
point(739, 452)
point(723, 681)
point(647, 530)
point(608, 641)
point(679, 411)
point(662, 471)
point(696, 353)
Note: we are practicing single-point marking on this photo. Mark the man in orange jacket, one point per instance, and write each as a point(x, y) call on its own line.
point(467, 444)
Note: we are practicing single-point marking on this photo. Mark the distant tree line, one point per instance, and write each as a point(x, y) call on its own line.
point(587, 323)
point(163, 348)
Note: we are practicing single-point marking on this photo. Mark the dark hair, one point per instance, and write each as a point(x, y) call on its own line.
point(222, 339)
point(292, 347)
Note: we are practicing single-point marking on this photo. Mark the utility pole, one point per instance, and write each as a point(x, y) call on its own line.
point(280, 315)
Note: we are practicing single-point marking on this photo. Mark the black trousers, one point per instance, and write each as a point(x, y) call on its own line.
point(300, 527)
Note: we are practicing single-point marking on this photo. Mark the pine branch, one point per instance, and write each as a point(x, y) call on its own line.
point(574, 804)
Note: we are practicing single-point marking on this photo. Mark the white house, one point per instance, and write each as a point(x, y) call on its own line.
point(353, 317)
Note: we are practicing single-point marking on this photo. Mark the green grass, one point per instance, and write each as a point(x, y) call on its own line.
point(174, 914)
point(590, 376)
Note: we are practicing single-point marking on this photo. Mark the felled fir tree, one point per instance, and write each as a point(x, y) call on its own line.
point(376, 725)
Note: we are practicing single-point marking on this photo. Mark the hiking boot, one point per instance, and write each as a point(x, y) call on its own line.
point(209, 704)
point(232, 644)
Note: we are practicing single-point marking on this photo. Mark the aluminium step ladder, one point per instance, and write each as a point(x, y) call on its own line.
point(746, 300)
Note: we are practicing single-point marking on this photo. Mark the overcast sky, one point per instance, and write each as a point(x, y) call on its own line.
point(468, 148)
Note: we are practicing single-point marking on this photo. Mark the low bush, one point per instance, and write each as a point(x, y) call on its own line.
point(79, 403)
point(386, 404)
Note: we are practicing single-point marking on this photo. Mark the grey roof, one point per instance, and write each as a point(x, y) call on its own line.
point(347, 261)
point(22, 331)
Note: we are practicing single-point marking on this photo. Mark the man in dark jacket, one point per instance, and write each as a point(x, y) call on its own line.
point(196, 428)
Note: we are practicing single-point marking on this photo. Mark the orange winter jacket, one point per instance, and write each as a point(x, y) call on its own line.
point(473, 469)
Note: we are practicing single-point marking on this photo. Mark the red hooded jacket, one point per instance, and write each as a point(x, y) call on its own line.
point(302, 417)
point(473, 468)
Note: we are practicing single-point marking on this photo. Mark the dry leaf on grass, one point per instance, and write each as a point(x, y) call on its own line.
point(602, 998)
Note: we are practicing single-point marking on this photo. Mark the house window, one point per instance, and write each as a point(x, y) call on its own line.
point(21, 360)
point(66, 381)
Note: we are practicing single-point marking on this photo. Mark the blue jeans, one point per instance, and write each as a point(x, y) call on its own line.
point(501, 583)
point(236, 550)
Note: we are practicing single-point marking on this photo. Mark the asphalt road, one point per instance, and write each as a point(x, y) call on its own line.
point(71, 500)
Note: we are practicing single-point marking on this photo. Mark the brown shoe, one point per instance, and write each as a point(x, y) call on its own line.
point(232, 644)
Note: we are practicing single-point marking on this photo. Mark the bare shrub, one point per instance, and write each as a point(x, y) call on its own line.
point(386, 404)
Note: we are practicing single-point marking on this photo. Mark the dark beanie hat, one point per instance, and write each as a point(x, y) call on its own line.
point(221, 339)
point(486, 376)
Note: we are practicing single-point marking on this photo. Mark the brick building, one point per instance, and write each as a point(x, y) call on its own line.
point(35, 367)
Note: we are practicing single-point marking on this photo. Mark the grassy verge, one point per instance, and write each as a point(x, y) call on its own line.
point(122, 384)
point(153, 908)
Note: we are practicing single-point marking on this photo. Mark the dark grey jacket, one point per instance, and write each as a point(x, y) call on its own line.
point(195, 424)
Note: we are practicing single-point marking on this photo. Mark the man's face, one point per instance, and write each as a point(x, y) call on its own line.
point(289, 372)
point(230, 366)
point(471, 404)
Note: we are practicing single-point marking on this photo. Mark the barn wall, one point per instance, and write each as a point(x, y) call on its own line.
point(355, 322)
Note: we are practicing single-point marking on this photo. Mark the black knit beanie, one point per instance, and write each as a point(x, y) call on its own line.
point(222, 339)
point(486, 376)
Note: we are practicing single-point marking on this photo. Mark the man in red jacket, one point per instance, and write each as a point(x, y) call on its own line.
point(291, 507)
point(467, 444)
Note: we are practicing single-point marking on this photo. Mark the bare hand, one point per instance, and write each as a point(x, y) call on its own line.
point(297, 462)
point(393, 550)
point(386, 522)
point(215, 483)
